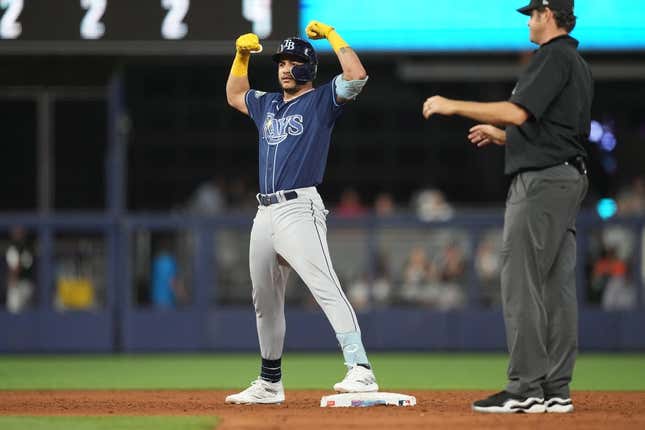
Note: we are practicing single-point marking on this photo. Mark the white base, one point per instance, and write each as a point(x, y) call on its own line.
point(361, 400)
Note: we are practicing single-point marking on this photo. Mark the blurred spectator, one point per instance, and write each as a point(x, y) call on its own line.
point(364, 294)
point(382, 284)
point(19, 257)
point(619, 294)
point(453, 269)
point(453, 264)
point(350, 204)
point(420, 279)
point(167, 289)
point(620, 238)
point(609, 267)
point(241, 196)
point(434, 283)
point(431, 205)
point(77, 273)
point(208, 199)
point(384, 205)
point(358, 293)
point(488, 265)
point(631, 201)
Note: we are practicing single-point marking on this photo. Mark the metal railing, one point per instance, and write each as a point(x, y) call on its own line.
point(116, 236)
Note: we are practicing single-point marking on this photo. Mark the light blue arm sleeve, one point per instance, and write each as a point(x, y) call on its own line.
point(349, 90)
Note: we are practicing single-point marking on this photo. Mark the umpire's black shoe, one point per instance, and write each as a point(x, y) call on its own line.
point(558, 405)
point(509, 403)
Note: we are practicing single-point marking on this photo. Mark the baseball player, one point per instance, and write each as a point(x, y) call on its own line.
point(289, 229)
point(547, 123)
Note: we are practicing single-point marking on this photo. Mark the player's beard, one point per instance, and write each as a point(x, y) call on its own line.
point(292, 90)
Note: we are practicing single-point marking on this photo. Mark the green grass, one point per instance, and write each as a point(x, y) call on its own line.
point(316, 371)
point(400, 371)
point(107, 423)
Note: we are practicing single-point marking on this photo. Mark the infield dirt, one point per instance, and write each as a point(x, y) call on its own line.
point(434, 410)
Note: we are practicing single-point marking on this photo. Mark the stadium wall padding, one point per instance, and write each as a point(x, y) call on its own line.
point(234, 330)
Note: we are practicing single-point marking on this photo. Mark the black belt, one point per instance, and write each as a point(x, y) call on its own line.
point(271, 199)
point(578, 162)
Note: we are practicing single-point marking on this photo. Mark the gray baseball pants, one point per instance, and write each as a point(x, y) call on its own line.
point(538, 280)
point(295, 230)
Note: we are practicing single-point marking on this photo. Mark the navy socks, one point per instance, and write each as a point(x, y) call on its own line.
point(271, 370)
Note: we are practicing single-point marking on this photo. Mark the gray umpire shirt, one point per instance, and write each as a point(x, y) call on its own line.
point(556, 89)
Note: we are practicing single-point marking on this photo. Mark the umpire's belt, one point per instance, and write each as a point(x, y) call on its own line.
point(280, 196)
point(578, 162)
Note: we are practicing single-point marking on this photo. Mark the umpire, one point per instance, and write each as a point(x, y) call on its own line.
point(547, 122)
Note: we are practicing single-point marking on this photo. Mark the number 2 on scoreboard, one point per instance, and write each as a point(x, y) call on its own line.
point(172, 26)
point(91, 27)
point(9, 27)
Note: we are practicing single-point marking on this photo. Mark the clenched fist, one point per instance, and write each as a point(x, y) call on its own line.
point(318, 30)
point(248, 43)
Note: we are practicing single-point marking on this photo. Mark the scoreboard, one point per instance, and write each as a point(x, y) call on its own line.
point(140, 26)
point(175, 27)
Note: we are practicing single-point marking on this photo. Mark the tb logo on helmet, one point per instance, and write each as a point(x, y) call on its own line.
point(288, 45)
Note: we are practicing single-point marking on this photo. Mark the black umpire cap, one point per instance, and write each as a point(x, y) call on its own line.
point(563, 5)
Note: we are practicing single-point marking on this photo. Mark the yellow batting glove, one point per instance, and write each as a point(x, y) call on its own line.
point(248, 43)
point(245, 45)
point(317, 30)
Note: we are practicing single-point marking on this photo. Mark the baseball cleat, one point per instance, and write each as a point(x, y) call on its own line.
point(357, 380)
point(509, 403)
point(260, 392)
point(558, 405)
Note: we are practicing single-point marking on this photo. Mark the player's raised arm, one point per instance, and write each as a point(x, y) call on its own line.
point(354, 75)
point(238, 80)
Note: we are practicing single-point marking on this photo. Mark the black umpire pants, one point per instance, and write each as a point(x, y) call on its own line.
point(538, 280)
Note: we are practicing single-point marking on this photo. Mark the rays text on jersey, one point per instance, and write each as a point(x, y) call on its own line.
point(278, 129)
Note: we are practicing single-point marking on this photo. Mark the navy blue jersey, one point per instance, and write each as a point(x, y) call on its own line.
point(294, 136)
